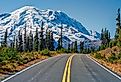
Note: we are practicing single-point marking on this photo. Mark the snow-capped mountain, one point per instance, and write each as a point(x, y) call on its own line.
point(32, 18)
point(94, 34)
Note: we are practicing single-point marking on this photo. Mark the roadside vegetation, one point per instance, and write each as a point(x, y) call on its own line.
point(109, 57)
point(109, 53)
point(10, 58)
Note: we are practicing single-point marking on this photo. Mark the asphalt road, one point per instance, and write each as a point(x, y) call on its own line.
point(65, 68)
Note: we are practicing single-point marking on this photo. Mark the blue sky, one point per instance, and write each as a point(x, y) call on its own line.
point(93, 14)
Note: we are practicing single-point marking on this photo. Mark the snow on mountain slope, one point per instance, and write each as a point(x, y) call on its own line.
point(94, 34)
point(32, 18)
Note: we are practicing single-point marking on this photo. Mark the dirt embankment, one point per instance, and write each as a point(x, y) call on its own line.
point(30, 59)
point(110, 58)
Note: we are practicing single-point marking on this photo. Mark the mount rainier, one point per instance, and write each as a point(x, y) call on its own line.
point(32, 18)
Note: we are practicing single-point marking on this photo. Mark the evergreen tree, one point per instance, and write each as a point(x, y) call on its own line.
point(20, 42)
point(111, 44)
point(36, 42)
point(109, 39)
point(28, 43)
point(75, 47)
point(31, 41)
point(68, 46)
point(105, 37)
point(102, 34)
point(118, 24)
point(5, 38)
point(16, 43)
point(48, 41)
point(81, 47)
point(41, 38)
point(59, 44)
point(25, 39)
point(118, 29)
point(72, 47)
point(51, 41)
point(13, 42)
point(61, 37)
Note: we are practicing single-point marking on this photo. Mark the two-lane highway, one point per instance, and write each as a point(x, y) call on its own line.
point(85, 70)
point(65, 68)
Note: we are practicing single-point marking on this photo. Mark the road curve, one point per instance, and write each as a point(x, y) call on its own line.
point(85, 70)
point(79, 69)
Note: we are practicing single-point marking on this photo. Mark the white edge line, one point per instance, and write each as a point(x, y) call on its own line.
point(105, 68)
point(28, 68)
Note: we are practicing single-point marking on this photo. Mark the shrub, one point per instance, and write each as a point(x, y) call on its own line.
point(8, 54)
point(45, 52)
point(62, 50)
point(112, 58)
point(98, 55)
point(102, 47)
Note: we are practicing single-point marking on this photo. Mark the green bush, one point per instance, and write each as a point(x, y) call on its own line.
point(98, 55)
point(8, 54)
point(62, 50)
point(102, 47)
point(45, 52)
point(112, 58)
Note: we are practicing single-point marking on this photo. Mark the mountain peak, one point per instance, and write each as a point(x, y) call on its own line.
point(32, 17)
point(27, 7)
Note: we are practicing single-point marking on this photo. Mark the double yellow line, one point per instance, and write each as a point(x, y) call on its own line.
point(67, 71)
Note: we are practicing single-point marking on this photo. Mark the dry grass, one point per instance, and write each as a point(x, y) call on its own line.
point(116, 64)
point(114, 67)
point(27, 59)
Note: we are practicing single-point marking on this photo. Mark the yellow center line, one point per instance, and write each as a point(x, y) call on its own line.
point(64, 75)
point(67, 71)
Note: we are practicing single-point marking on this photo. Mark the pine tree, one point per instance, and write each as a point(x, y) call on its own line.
point(5, 38)
point(105, 37)
point(68, 46)
point(102, 34)
point(81, 47)
point(60, 41)
point(20, 42)
point(16, 43)
point(36, 42)
point(25, 39)
point(41, 38)
point(75, 47)
point(72, 47)
point(118, 29)
point(13, 42)
point(118, 24)
point(48, 40)
point(61, 37)
point(31, 41)
point(51, 41)
point(28, 43)
point(109, 39)
point(59, 44)
point(111, 44)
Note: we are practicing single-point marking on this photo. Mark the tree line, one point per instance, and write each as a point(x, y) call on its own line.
point(29, 42)
point(105, 35)
point(39, 41)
